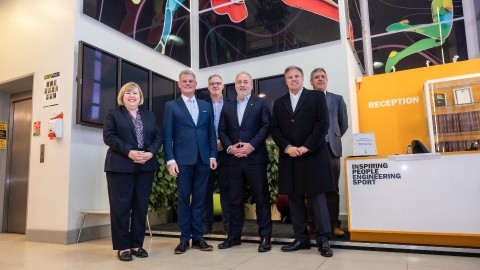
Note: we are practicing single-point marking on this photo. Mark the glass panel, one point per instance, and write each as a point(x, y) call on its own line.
point(162, 25)
point(455, 113)
point(271, 89)
point(255, 28)
point(138, 75)
point(162, 92)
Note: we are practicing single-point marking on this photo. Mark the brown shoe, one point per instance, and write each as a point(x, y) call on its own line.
point(338, 232)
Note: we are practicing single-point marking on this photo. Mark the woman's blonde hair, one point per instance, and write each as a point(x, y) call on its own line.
point(126, 87)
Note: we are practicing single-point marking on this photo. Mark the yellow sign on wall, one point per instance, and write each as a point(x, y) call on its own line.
point(392, 105)
point(3, 135)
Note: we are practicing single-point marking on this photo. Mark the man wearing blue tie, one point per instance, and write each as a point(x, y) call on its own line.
point(190, 147)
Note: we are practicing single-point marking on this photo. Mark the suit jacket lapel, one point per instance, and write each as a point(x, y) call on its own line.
point(329, 100)
point(288, 104)
point(234, 112)
point(301, 100)
point(128, 118)
point(249, 108)
point(184, 108)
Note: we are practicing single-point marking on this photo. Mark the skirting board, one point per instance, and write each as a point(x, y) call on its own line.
point(70, 237)
point(459, 240)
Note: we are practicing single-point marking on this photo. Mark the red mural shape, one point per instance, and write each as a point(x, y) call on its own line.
point(325, 8)
point(236, 10)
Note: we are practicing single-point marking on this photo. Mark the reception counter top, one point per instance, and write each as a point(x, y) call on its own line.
point(420, 199)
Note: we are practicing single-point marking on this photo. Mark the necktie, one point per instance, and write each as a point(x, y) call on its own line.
point(192, 107)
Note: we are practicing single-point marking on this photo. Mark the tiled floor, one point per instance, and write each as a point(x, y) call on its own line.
point(17, 254)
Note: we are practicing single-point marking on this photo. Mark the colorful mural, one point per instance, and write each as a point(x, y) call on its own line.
point(163, 25)
point(410, 33)
point(233, 30)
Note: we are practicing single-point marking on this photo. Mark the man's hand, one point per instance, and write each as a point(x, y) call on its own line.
point(173, 169)
point(219, 146)
point(241, 149)
point(213, 164)
point(296, 151)
point(293, 151)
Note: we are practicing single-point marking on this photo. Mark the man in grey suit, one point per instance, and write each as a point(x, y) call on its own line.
point(337, 114)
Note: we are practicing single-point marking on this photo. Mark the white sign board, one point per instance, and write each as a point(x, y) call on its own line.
point(438, 194)
point(364, 144)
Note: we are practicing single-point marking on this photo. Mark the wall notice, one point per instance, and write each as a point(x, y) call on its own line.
point(3, 135)
point(51, 89)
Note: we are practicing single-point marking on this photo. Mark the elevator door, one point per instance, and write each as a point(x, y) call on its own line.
point(17, 180)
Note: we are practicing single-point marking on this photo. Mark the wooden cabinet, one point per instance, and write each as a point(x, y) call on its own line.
point(453, 113)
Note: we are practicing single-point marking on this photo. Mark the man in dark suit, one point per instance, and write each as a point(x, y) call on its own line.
point(338, 117)
point(190, 152)
point(244, 126)
point(215, 87)
point(299, 126)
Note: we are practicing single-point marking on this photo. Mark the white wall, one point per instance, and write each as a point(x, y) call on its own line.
point(37, 38)
point(42, 38)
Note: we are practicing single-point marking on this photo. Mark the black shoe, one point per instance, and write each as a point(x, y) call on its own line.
point(125, 256)
point(325, 250)
point(296, 245)
point(140, 253)
point(230, 242)
point(182, 247)
point(201, 245)
point(265, 244)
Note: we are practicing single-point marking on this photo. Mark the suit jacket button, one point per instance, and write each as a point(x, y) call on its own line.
point(293, 120)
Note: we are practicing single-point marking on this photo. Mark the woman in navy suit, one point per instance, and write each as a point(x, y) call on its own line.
point(134, 137)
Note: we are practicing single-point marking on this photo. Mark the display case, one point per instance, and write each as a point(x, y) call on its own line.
point(453, 112)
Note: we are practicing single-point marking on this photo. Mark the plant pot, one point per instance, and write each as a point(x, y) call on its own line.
point(159, 216)
point(251, 214)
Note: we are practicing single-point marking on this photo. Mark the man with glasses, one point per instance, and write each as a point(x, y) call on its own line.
point(219, 176)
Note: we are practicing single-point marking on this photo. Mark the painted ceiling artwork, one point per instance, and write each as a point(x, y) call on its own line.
point(234, 30)
point(410, 33)
point(163, 25)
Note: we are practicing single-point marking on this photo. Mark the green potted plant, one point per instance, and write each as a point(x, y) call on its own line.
point(163, 199)
point(272, 172)
point(272, 178)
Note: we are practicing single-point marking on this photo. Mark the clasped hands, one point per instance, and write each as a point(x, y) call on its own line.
point(294, 151)
point(241, 149)
point(139, 156)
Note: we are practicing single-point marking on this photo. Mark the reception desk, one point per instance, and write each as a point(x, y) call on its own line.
point(429, 199)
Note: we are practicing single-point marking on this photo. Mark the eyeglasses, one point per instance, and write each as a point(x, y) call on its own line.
point(214, 83)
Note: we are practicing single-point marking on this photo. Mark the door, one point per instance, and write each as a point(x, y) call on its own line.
point(18, 166)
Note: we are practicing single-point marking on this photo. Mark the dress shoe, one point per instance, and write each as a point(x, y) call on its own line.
point(201, 245)
point(182, 247)
point(325, 250)
point(229, 242)
point(140, 253)
point(296, 245)
point(338, 232)
point(265, 244)
point(124, 256)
